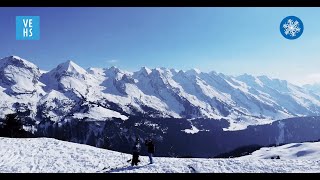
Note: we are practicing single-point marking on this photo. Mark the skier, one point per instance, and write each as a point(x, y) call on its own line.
point(150, 145)
point(135, 153)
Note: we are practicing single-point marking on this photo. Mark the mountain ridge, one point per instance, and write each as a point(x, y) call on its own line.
point(242, 100)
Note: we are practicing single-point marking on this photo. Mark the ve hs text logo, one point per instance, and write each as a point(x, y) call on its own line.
point(27, 27)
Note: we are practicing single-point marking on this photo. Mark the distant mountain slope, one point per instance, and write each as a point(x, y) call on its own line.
point(305, 151)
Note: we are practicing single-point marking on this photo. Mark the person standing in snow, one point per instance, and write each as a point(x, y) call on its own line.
point(150, 145)
point(135, 153)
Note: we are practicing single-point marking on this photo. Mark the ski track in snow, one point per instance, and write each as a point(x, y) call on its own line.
point(50, 155)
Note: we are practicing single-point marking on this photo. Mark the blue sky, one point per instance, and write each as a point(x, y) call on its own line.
point(228, 40)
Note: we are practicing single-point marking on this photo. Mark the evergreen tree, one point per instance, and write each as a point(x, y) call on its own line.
point(12, 125)
point(91, 139)
point(67, 132)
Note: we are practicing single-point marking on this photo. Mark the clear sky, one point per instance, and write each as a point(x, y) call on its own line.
point(228, 40)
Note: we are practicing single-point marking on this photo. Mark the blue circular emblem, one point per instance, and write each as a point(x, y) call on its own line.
point(291, 27)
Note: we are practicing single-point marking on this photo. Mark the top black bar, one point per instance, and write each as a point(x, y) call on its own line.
point(160, 3)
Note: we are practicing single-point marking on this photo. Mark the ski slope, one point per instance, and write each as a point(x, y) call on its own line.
point(302, 151)
point(42, 155)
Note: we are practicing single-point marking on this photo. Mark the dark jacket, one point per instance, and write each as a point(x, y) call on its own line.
point(136, 148)
point(135, 154)
point(150, 146)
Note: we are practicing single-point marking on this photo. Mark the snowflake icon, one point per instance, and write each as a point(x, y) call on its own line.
point(291, 27)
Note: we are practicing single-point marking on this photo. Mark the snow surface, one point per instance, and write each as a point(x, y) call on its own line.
point(100, 113)
point(193, 130)
point(43, 155)
point(301, 151)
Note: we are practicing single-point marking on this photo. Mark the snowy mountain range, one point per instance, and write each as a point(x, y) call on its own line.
point(314, 88)
point(181, 110)
point(69, 91)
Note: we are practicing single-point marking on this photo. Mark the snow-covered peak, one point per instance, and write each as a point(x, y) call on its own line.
point(180, 72)
point(250, 80)
point(68, 76)
point(67, 69)
point(193, 71)
point(114, 72)
point(18, 62)
point(315, 88)
point(246, 77)
point(15, 57)
point(272, 80)
point(114, 69)
point(19, 76)
point(162, 72)
point(213, 73)
point(281, 85)
point(71, 67)
point(174, 71)
point(13, 69)
point(158, 70)
point(145, 70)
point(262, 80)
